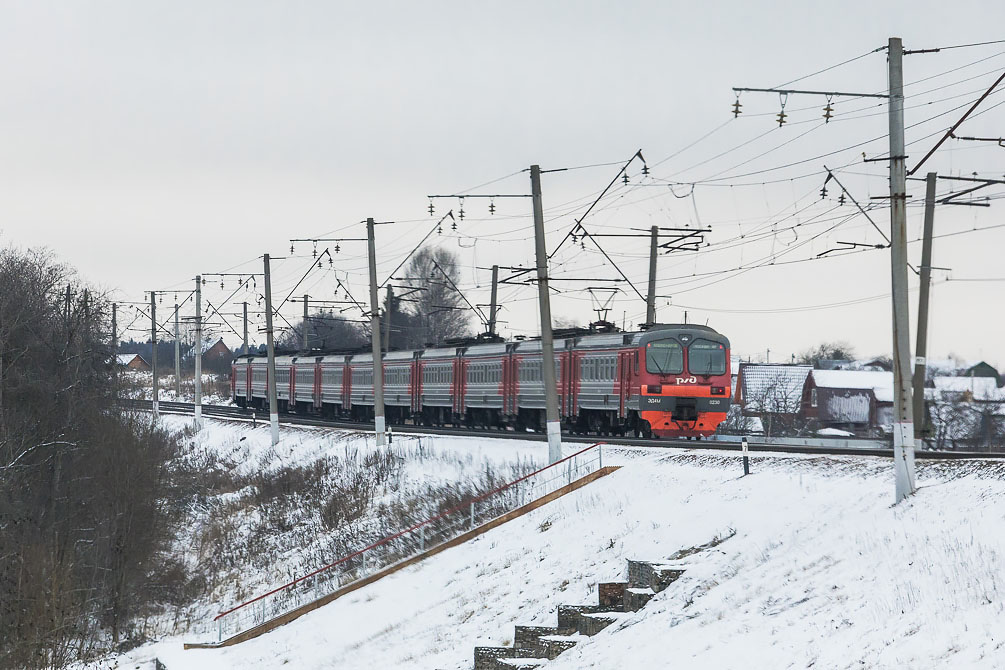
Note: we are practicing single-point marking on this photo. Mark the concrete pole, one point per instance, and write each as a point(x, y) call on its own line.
point(153, 350)
point(553, 421)
point(654, 238)
point(271, 349)
point(115, 353)
point(244, 347)
point(494, 306)
point(378, 363)
point(177, 354)
point(303, 327)
point(387, 319)
point(903, 419)
point(920, 352)
point(197, 353)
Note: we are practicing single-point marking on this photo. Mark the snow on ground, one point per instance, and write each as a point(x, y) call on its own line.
point(823, 571)
point(245, 541)
point(139, 384)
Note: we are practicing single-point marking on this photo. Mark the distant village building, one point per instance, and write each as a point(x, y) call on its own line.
point(966, 389)
point(216, 357)
point(216, 352)
point(132, 361)
point(982, 369)
point(858, 401)
point(770, 389)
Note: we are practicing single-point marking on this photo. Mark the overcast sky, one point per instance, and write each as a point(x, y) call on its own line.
point(145, 143)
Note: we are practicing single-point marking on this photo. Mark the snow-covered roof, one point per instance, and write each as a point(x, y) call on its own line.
point(126, 359)
point(772, 388)
point(834, 432)
point(878, 381)
point(982, 388)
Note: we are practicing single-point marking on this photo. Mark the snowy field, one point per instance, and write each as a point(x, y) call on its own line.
point(263, 515)
point(139, 384)
point(822, 572)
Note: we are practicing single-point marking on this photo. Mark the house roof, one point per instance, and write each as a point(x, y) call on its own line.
point(126, 359)
point(982, 388)
point(878, 381)
point(772, 388)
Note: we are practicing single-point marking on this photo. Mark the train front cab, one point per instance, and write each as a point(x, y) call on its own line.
point(684, 380)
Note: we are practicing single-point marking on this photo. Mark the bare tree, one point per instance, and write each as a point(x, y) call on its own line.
point(778, 403)
point(827, 351)
point(326, 330)
point(434, 309)
point(81, 511)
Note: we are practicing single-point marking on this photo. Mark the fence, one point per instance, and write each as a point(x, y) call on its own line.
point(407, 543)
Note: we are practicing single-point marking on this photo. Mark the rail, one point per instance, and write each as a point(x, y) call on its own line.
point(812, 446)
point(407, 543)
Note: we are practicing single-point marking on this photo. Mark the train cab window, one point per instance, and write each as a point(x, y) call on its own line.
point(664, 357)
point(705, 357)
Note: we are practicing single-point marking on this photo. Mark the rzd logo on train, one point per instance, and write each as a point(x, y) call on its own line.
point(687, 380)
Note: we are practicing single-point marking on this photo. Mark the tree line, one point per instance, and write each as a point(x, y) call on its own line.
point(85, 489)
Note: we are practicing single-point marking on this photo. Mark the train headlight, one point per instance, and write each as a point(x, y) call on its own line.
point(654, 389)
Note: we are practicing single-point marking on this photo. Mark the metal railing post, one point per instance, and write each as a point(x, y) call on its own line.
point(472, 514)
point(219, 630)
point(600, 457)
point(422, 538)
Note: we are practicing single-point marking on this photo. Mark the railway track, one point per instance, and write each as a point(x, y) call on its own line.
point(238, 413)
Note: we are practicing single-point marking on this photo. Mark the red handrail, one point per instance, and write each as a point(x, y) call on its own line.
point(403, 532)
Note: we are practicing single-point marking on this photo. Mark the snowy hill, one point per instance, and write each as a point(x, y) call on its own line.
point(822, 571)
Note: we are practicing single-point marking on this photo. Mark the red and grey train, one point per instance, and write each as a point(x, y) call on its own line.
point(668, 381)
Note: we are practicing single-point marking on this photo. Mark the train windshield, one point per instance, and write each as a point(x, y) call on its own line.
point(706, 358)
point(664, 357)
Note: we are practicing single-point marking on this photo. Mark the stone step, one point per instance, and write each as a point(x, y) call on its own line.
point(485, 657)
point(568, 617)
point(529, 638)
point(653, 575)
point(611, 596)
point(591, 624)
point(556, 644)
point(519, 663)
point(636, 599)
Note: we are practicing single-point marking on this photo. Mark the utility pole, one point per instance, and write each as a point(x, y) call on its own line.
point(271, 348)
point(903, 421)
point(244, 347)
point(115, 353)
point(903, 405)
point(921, 350)
point(387, 319)
point(654, 233)
point(378, 362)
point(303, 327)
point(552, 419)
point(197, 353)
point(153, 349)
point(494, 306)
point(177, 354)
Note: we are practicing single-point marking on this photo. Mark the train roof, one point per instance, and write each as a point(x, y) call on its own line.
point(444, 352)
point(685, 332)
point(486, 349)
point(605, 340)
point(690, 331)
point(527, 346)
